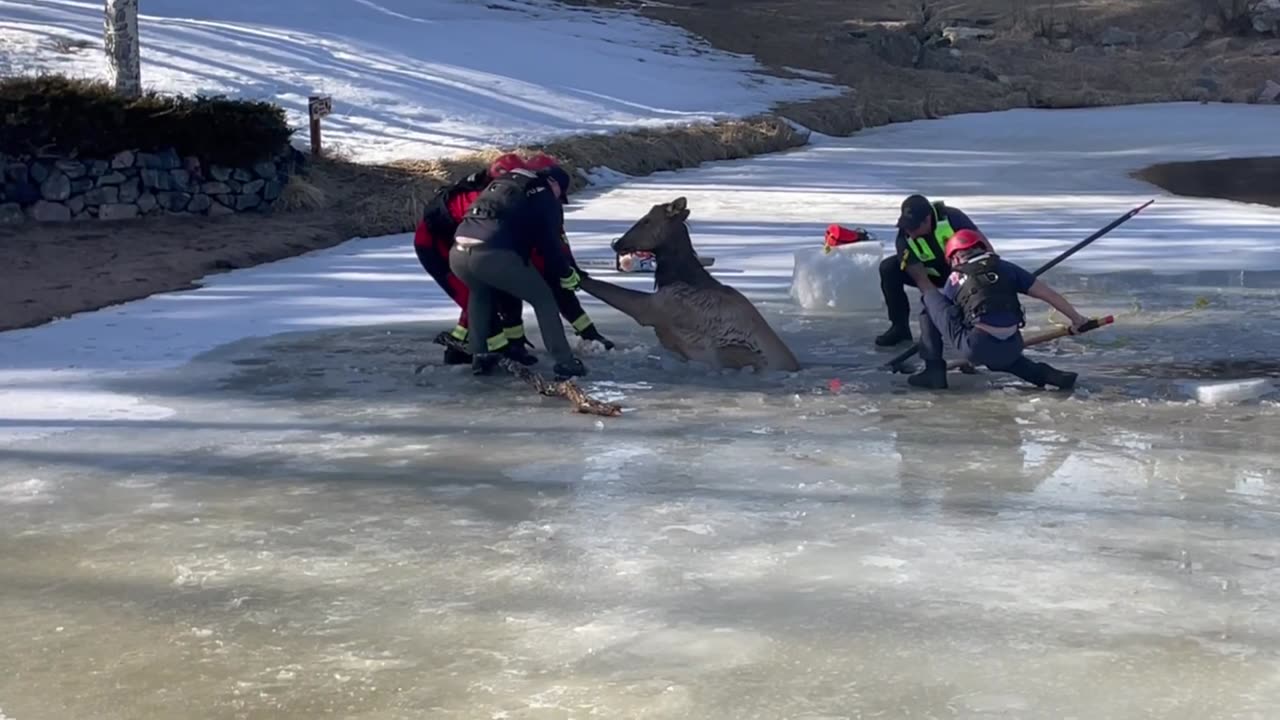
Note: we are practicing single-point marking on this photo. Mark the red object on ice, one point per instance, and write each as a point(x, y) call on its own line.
point(837, 235)
point(834, 385)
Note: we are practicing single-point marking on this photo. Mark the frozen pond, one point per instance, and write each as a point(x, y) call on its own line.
point(235, 521)
point(319, 529)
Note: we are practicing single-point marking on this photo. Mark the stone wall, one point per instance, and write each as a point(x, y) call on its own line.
point(134, 184)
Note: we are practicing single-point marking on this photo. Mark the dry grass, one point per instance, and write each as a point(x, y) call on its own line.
point(380, 200)
point(299, 194)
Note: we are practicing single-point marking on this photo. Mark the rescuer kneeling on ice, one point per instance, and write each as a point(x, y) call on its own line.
point(979, 313)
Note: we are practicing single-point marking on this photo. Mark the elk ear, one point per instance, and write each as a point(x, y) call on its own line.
point(677, 206)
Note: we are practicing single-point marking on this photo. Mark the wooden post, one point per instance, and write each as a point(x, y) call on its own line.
point(317, 107)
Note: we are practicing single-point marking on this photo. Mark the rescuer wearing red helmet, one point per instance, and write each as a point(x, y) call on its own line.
point(979, 313)
point(432, 241)
point(567, 302)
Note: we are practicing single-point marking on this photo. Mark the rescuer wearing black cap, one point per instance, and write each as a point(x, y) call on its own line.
point(923, 230)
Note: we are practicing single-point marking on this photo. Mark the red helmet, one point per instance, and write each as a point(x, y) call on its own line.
point(965, 240)
point(504, 164)
point(541, 161)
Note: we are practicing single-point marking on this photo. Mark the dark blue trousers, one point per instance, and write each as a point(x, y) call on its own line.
point(942, 318)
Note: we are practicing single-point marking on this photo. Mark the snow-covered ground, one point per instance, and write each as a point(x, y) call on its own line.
point(297, 524)
point(415, 78)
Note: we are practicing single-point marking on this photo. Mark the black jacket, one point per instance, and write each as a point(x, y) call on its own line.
point(959, 221)
point(519, 212)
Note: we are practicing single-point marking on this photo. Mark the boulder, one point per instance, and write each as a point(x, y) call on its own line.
point(76, 204)
point(199, 204)
point(17, 172)
point(102, 196)
point(56, 187)
point(1175, 41)
point(11, 214)
point(247, 202)
point(130, 191)
point(173, 201)
point(1265, 16)
point(153, 179)
point(83, 184)
point(125, 159)
point(220, 209)
point(265, 170)
point(253, 187)
point(147, 203)
point(1270, 92)
point(111, 178)
point(39, 172)
point(118, 211)
point(98, 168)
point(243, 176)
point(271, 190)
point(1115, 37)
point(72, 168)
point(179, 179)
point(215, 188)
point(45, 211)
point(219, 173)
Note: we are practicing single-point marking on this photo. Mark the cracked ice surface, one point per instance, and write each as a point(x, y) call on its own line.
point(300, 525)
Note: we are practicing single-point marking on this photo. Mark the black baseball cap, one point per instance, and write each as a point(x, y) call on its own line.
point(915, 210)
point(557, 173)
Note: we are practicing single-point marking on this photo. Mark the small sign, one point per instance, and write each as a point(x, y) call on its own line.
point(320, 106)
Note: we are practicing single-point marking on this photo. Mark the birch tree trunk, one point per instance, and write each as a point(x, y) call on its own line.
point(124, 65)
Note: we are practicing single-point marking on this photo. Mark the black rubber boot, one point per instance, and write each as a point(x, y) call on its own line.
point(894, 335)
point(933, 377)
point(1040, 374)
point(456, 357)
point(520, 353)
point(484, 363)
point(574, 368)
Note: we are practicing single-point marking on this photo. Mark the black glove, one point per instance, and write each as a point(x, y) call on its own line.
point(591, 333)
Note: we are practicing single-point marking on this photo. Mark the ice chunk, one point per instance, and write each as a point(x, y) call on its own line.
point(847, 278)
point(1233, 391)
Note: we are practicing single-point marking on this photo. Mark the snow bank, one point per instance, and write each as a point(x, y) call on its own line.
point(415, 78)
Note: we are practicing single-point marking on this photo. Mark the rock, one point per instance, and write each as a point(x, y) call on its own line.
point(247, 202)
point(219, 173)
point(1270, 92)
point(11, 214)
point(220, 209)
point(1175, 41)
point(1114, 36)
point(39, 172)
point(180, 180)
point(130, 191)
point(17, 172)
point(147, 202)
point(235, 185)
point(111, 178)
point(1208, 84)
point(72, 168)
point(254, 187)
point(102, 196)
point(153, 179)
point(271, 190)
point(56, 187)
point(44, 211)
point(215, 188)
point(84, 184)
point(23, 193)
point(199, 204)
point(76, 204)
point(82, 215)
point(1265, 16)
point(118, 211)
point(98, 168)
point(173, 201)
point(1213, 23)
point(125, 159)
point(169, 160)
point(243, 176)
point(1266, 48)
point(226, 199)
point(957, 33)
point(1064, 44)
point(265, 170)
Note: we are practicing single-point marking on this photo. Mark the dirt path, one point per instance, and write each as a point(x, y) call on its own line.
point(52, 271)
